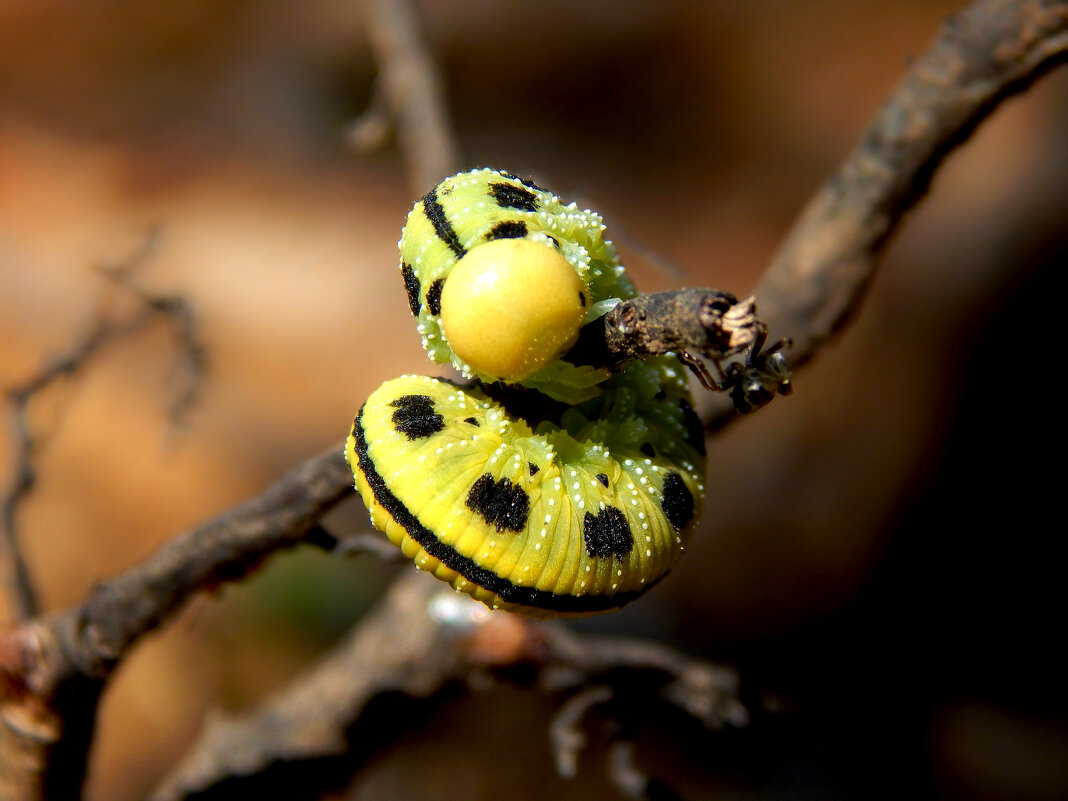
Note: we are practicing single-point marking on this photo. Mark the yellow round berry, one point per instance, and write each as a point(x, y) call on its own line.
point(511, 306)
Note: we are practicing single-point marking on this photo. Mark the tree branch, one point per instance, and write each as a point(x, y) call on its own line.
point(420, 638)
point(413, 91)
point(79, 648)
point(989, 51)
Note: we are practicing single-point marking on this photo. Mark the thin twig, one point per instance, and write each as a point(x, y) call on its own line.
point(565, 730)
point(708, 692)
point(27, 443)
point(633, 783)
point(414, 93)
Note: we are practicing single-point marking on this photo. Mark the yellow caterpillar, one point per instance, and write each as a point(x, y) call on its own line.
point(545, 488)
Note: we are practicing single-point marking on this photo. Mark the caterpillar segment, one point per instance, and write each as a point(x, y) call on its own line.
point(468, 211)
point(565, 519)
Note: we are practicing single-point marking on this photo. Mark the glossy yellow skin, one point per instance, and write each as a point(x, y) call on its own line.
point(627, 453)
point(512, 306)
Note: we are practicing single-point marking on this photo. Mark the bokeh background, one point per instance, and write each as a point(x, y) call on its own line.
point(878, 554)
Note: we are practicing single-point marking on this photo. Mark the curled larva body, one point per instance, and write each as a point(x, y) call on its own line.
point(543, 487)
point(567, 519)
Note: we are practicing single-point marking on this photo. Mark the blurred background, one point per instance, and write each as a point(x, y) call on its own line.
point(877, 553)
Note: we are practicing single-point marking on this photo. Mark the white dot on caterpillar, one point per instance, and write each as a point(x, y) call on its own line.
point(537, 546)
point(619, 572)
point(648, 552)
point(544, 532)
point(548, 518)
point(582, 585)
point(587, 568)
point(575, 486)
point(614, 585)
point(648, 539)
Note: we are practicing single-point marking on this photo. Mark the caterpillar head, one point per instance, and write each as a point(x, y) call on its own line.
point(501, 275)
point(512, 306)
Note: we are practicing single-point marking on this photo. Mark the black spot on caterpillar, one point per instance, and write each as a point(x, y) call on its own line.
point(509, 196)
point(415, 416)
point(509, 229)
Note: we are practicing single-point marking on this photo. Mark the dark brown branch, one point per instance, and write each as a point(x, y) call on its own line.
point(53, 666)
point(991, 50)
point(404, 646)
point(226, 548)
point(413, 90)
